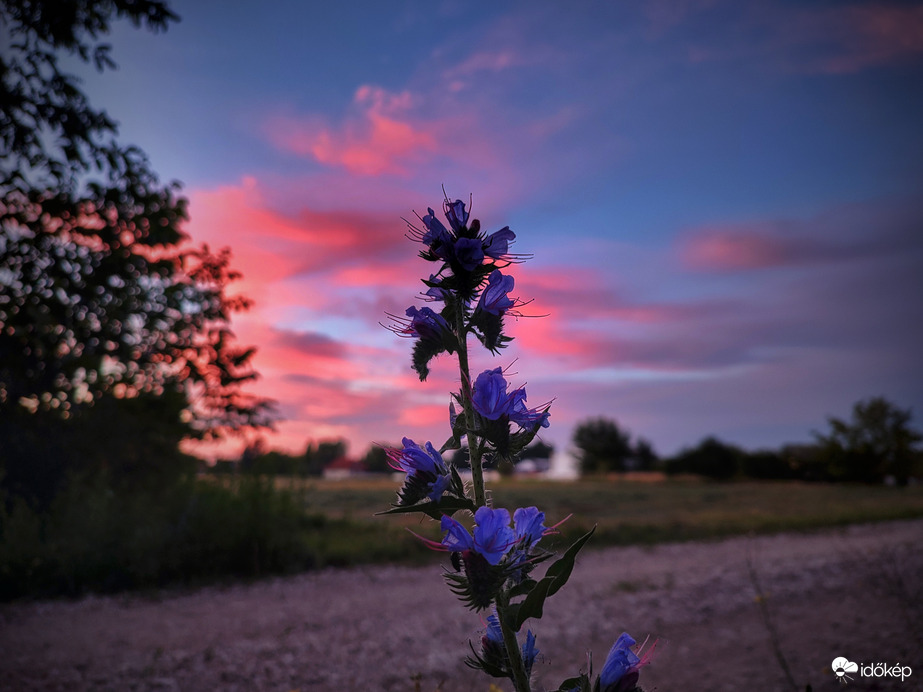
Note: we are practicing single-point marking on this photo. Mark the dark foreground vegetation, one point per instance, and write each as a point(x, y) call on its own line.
point(92, 539)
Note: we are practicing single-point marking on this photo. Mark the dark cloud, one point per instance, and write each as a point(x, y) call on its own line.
point(310, 343)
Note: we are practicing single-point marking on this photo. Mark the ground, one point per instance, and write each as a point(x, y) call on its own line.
point(853, 592)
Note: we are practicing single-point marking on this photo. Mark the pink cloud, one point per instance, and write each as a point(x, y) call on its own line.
point(837, 38)
point(401, 275)
point(380, 137)
point(838, 233)
point(233, 216)
point(733, 250)
point(582, 292)
point(873, 35)
point(270, 246)
point(431, 416)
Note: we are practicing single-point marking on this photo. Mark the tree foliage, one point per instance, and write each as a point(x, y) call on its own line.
point(711, 458)
point(258, 459)
point(602, 446)
point(101, 294)
point(644, 458)
point(538, 450)
point(877, 442)
point(375, 460)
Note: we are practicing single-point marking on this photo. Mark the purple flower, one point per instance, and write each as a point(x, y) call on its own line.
point(455, 213)
point(529, 530)
point(621, 665)
point(426, 324)
point(413, 457)
point(468, 253)
point(436, 292)
point(423, 462)
point(528, 418)
point(529, 525)
point(492, 534)
point(457, 539)
point(494, 646)
point(490, 399)
point(436, 233)
point(494, 633)
point(529, 652)
point(497, 244)
point(494, 298)
point(489, 396)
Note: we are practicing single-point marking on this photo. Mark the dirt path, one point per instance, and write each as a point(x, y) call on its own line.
point(854, 592)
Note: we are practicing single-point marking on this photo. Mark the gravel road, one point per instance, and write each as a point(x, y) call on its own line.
point(853, 592)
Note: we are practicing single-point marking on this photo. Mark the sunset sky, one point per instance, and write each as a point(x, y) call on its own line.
point(724, 200)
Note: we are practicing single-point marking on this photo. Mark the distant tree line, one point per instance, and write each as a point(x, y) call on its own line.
point(876, 445)
point(259, 460)
point(603, 446)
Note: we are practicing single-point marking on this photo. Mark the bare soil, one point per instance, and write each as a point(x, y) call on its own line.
point(853, 592)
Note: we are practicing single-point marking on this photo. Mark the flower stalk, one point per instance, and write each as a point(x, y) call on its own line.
point(475, 450)
point(493, 563)
point(517, 666)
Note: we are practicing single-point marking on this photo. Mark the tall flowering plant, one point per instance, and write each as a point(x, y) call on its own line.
point(493, 564)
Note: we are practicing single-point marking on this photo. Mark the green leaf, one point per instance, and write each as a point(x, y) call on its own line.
point(523, 588)
point(424, 350)
point(458, 485)
point(556, 576)
point(581, 683)
point(459, 430)
point(447, 505)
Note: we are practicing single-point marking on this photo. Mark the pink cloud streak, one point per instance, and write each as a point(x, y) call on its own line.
point(379, 138)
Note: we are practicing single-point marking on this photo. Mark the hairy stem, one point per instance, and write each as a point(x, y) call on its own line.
point(517, 666)
point(474, 446)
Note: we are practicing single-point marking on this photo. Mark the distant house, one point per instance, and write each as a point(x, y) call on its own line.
point(533, 467)
point(344, 467)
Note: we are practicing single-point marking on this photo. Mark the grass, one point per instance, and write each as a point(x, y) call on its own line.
point(209, 530)
point(631, 513)
point(94, 538)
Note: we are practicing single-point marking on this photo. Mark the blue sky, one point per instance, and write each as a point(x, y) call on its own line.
point(723, 200)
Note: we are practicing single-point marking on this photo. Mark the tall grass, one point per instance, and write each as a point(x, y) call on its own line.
point(95, 539)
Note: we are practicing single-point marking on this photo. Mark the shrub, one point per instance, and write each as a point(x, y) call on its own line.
point(766, 465)
point(93, 538)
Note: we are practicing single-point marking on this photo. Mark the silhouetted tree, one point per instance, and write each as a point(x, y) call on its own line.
point(766, 464)
point(710, 458)
point(877, 442)
point(643, 456)
point(601, 446)
point(319, 456)
point(100, 295)
point(537, 450)
point(376, 459)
